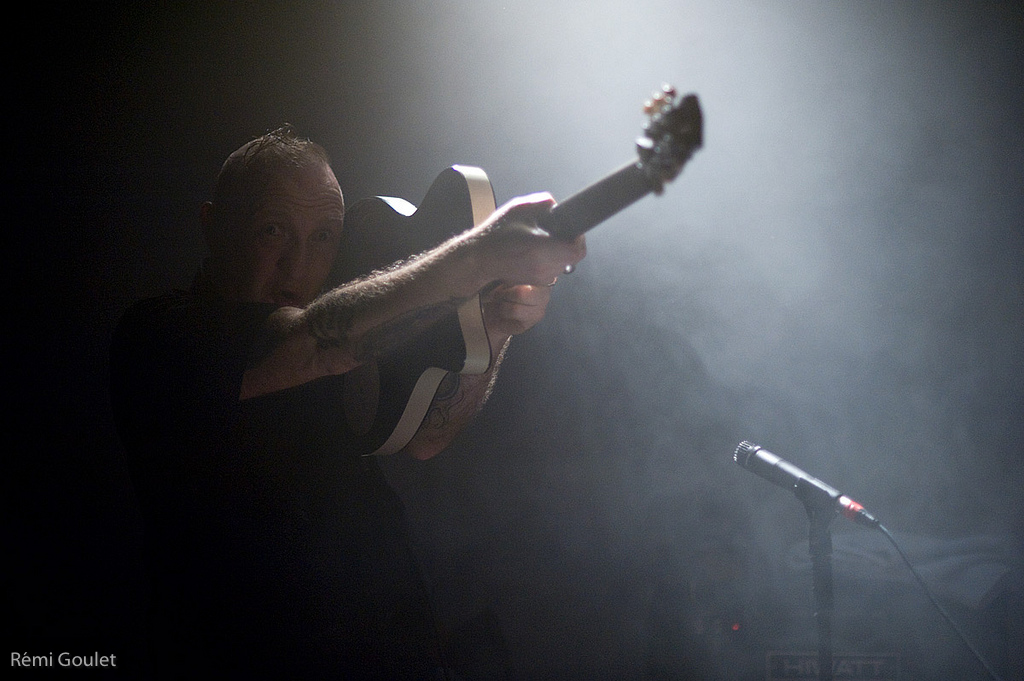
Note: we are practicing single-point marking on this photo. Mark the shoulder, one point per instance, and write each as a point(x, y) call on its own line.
point(183, 337)
point(158, 306)
point(184, 353)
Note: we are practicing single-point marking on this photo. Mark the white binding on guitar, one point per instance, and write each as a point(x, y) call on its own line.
point(471, 322)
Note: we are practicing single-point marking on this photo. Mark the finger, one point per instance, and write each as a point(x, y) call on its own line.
point(579, 246)
point(525, 211)
point(535, 201)
point(522, 294)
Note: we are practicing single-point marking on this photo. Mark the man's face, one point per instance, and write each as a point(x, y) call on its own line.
point(288, 246)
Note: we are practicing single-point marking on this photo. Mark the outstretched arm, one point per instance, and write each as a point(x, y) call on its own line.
point(355, 323)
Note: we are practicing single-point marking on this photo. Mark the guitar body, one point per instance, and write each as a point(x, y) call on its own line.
point(380, 231)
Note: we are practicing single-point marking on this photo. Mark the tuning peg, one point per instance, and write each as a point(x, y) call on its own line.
point(661, 101)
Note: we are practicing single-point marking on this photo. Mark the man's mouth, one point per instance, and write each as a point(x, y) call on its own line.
point(286, 299)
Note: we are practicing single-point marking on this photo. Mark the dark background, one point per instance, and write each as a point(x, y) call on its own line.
point(836, 276)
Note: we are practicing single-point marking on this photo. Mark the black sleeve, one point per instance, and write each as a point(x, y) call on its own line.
point(176, 370)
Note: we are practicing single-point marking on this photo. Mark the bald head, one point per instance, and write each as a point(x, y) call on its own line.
point(252, 168)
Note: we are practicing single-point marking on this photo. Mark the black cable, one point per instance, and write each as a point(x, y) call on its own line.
point(938, 606)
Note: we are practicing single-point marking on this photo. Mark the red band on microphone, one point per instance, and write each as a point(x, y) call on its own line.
point(850, 508)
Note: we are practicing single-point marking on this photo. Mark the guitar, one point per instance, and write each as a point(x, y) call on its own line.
point(382, 230)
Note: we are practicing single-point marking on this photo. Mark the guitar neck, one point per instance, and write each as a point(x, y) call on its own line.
point(593, 205)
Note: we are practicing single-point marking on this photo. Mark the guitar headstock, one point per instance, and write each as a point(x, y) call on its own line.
point(674, 130)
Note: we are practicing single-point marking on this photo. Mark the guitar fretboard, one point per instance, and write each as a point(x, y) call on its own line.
point(593, 205)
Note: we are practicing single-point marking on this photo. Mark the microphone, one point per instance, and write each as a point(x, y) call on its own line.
point(784, 474)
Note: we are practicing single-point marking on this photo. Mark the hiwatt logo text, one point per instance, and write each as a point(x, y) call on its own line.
point(795, 666)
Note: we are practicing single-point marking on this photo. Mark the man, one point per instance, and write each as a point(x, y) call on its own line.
point(276, 549)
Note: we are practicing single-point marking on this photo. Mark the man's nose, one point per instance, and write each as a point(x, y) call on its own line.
point(294, 261)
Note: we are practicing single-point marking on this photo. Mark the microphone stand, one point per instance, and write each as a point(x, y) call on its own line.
point(820, 511)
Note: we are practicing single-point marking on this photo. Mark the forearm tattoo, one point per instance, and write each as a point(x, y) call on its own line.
point(446, 399)
point(330, 327)
point(457, 399)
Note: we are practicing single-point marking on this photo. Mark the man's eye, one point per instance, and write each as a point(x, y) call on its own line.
point(324, 235)
point(272, 229)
